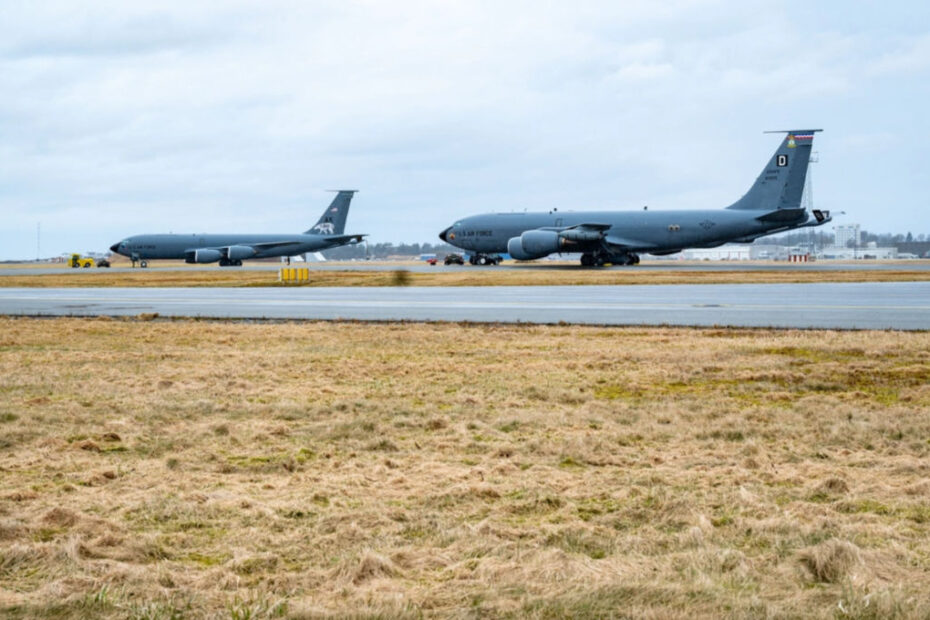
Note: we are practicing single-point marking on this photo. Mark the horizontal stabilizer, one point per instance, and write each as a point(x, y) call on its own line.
point(346, 238)
point(783, 215)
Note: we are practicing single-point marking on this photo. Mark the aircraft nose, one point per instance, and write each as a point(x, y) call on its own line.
point(115, 248)
point(444, 233)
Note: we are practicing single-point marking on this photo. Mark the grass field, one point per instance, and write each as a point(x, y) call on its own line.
point(464, 276)
point(237, 470)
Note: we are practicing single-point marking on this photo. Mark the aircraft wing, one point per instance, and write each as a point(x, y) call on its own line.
point(589, 226)
point(628, 244)
point(268, 245)
point(599, 232)
point(264, 246)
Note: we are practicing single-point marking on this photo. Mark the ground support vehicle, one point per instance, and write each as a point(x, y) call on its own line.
point(77, 261)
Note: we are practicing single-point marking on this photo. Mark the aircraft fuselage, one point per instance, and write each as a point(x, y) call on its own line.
point(653, 231)
point(232, 249)
point(178, 246)
point(772, 204)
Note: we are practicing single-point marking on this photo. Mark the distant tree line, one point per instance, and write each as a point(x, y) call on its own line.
point(887, 239)
point(822, 239)
point(384, 250)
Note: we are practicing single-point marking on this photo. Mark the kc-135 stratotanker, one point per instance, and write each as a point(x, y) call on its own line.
point(772, 205)
point(231, 249)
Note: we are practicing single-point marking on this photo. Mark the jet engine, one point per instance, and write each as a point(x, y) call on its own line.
point(203, 256)
point(535, 244)
point(238, 252)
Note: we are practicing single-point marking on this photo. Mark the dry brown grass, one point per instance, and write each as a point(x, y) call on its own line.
point(523, 275)
point(207, 469)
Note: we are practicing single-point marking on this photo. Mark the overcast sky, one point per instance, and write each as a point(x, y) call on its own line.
point(119, 118)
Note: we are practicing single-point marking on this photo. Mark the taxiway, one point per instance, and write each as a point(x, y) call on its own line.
point(23, 269)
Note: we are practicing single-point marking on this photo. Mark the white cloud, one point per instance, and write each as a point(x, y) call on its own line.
point(909, 57)
point(121, 118)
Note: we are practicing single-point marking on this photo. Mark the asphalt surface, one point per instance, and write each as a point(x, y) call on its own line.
point(870, 305)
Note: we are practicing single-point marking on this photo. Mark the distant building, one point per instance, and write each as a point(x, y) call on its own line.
point(844, 234)
point(802, 253)
point(768, 251)
point(869, 252)
point(724, 252)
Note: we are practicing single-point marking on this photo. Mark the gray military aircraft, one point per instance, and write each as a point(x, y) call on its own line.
point(772, 205)
point(231, 250)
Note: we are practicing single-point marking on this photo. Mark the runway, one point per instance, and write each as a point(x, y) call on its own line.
point(541, 265)
point(872, 305)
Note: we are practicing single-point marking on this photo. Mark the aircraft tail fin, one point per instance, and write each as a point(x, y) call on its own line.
point(333, 220)
point(782, 180)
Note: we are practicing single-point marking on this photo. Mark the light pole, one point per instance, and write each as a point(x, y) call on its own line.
point(807, 197)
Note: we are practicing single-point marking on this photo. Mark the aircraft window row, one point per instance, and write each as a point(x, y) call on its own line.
point(674, 227)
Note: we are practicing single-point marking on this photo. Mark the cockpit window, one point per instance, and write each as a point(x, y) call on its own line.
point(458, 224)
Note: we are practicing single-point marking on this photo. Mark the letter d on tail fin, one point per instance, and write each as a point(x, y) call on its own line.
point(333, 220)
point(782, 181)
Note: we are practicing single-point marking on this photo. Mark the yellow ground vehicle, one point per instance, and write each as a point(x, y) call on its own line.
point(77, 260)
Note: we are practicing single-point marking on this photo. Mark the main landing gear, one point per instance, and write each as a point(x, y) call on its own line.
point(602, 258)
point(484, 259)
point(225, 262)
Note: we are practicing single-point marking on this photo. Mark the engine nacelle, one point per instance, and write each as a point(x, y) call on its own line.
point(535, 244)
point(238, 252)
point(581, 235)
point(203, 256)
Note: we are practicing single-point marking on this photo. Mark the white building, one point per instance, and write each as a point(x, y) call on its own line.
point(871, 251)
point(768, 251)
point(844, 234)
point(724, 252)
